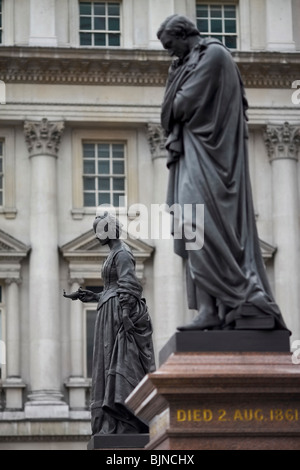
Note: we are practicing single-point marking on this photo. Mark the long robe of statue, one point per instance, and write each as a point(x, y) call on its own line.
point(204, 116)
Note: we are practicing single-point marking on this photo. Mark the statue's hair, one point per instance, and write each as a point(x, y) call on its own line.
point(114, 226)
point(177, 25)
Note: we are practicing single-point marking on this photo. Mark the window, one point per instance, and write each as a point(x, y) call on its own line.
point(2, 347)
point(103, 173)
point(85, 169)
point(90, 319)
point(1, 176)
point(99, 24)
point(1, 29)
point(218, 21)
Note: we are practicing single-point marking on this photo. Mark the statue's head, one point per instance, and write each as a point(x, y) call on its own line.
point(175, 34)
point(178, 25)
point(107, 227)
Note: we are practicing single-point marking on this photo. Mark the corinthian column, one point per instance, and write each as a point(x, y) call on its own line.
point(168, 269)
point(43, 139)
point(283, 143)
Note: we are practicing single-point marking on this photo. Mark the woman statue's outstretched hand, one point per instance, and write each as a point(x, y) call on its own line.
point(83, 295)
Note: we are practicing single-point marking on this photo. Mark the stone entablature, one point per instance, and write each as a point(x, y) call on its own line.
point(131, 67)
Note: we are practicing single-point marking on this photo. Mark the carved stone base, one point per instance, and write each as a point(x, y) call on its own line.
point(225, 400)
point(118, 441)
point(226, 340)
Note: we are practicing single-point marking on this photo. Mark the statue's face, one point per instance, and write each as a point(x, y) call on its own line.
point(175, 45)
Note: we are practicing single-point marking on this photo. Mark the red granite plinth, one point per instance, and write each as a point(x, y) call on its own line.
point(222, 401)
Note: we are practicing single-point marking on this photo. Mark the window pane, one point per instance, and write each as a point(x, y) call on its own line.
point(1, 148)
point(89, 184)
point(118, 168)
point(86, 22)
point(230, 26)
point(230, 42)
point(202, 11)
point(1, 198)
point(104, 184)
point(100, 24)
point(89, 167)
point(90, 328)
point(1, 339)
point(100, 39)
point(88, 150)
point(113, 9)
point(216, 11)
point(202, 25)
point(89, 199)
point(216, 26)
point(103, 168)
point(118, 150)
point(113, 39)
point(1, 166)
point(113, 24)
point(85, 39)
point(118, 199)
point(103, 151)
point(99, 9)
point(85, 8)
point(104, 198)
point(217, 37)
point(118, 184)
point(229, 11)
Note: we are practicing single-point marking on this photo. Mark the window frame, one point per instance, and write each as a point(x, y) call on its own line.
point(1, 23)
point(8, 209)
point(106, 32)
point(223, 34)
point(96, 176)
point(129, 137)
point(2, 328)
point(2, 175)
point(84, 328)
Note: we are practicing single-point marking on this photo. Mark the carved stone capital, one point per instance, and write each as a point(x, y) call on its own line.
point(283, 141)
point(43, 137)
point(76, 280)
point(13, 280)
point(156, 140)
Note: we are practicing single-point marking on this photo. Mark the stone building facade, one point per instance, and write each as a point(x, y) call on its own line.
point(81, 88)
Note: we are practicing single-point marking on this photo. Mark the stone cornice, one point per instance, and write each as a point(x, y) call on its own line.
point(131, 67)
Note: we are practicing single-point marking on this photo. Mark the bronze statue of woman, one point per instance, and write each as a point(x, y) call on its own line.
point(123, 350)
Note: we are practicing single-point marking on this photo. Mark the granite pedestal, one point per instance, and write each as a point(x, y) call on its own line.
point(213, 393)
point(118, 442)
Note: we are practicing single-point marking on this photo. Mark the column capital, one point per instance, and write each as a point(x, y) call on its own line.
point(76, 280)
point(156, 140)
point(43, 137)
point(13, 280)
point(282, 141)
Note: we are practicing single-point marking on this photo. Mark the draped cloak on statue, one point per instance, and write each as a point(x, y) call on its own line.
point(204, 116)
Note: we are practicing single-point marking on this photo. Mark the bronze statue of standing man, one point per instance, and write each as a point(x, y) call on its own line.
point(204, 117)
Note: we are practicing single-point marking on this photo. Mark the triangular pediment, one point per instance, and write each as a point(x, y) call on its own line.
point(87, 245)
point(11, 246)
point(267, 250)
